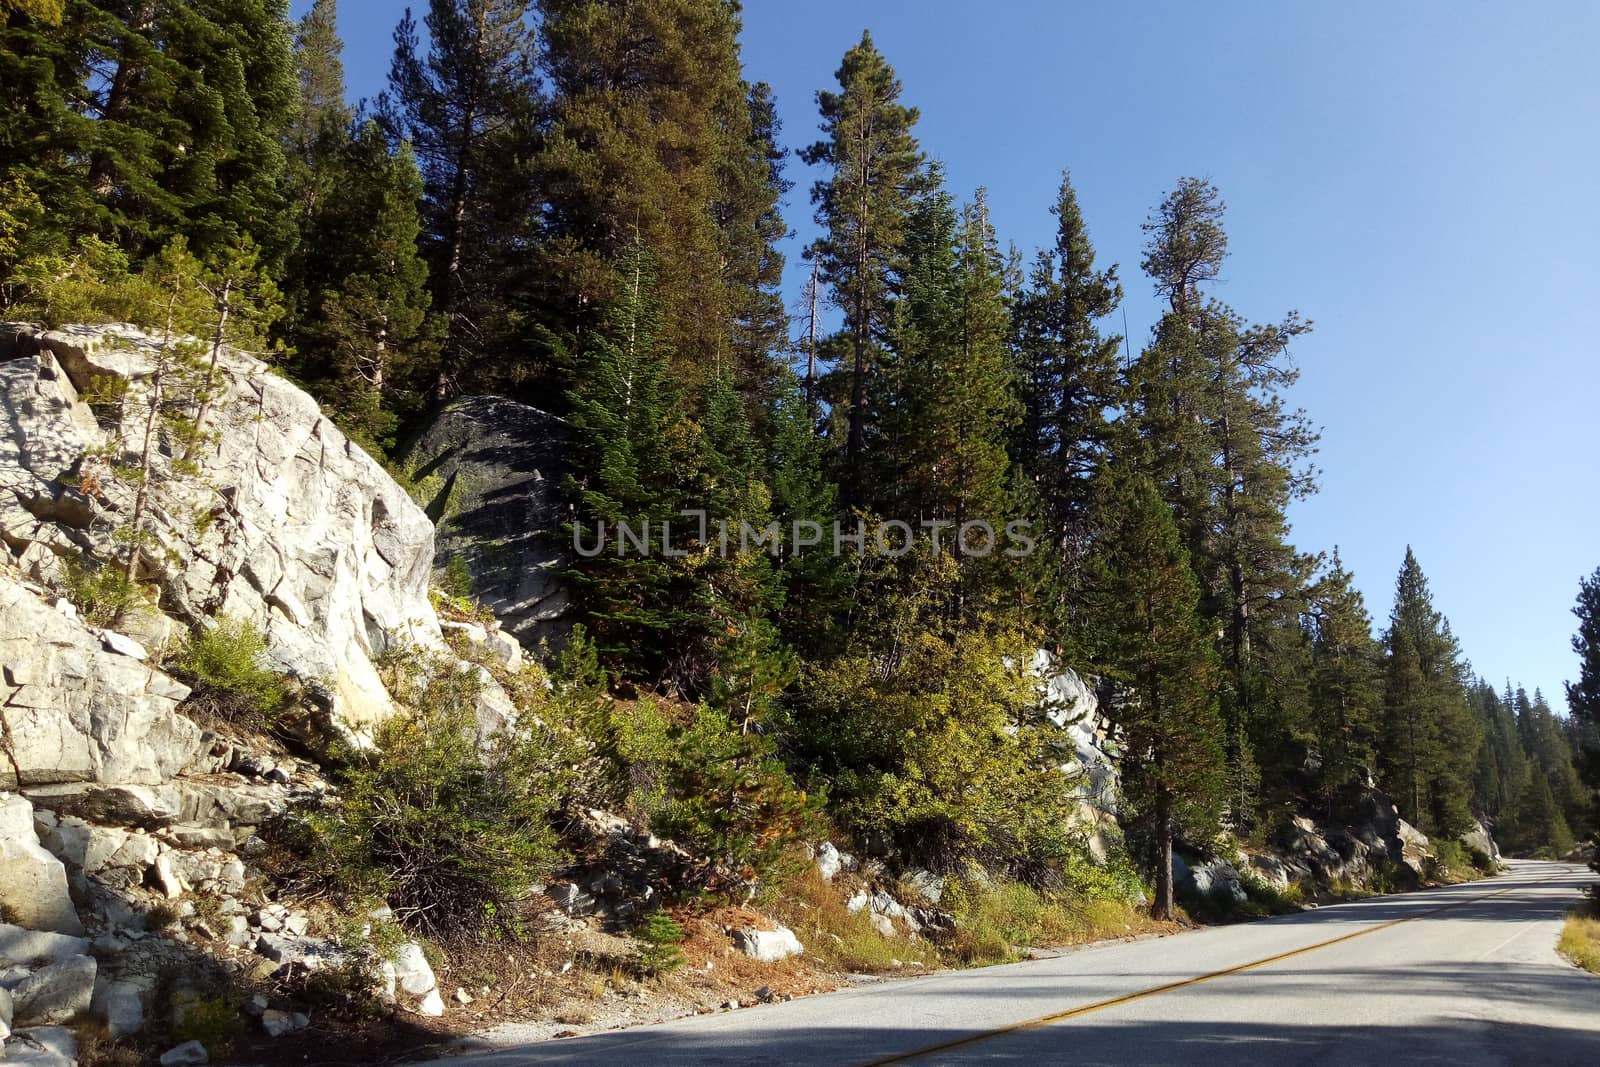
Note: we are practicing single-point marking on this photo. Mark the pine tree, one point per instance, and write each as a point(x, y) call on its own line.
point(1583, 696)
point(1153, 643)
point(876, 171)
point(190, 102)
point(363, 332)
point(1070, 378)
point(630, 448)
point(1430, 739)
point(654, 136)
point(321, 124)
point(1345, 692)
point(467, 106)
point(1229, 457)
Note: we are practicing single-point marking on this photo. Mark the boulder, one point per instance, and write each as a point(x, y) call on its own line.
point(1271, 869)
point(6, 1015)
point(1479, 839)
point(1068, 702)
point(56, 993)
point(1216, 879)
point(308, 537)
point(492, 471)
point(33, 883)
point(409, 978)
point(769, 946)
point(830, 861)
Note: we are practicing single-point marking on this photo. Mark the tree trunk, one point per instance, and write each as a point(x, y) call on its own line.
point(1164, 903)
point(224, 306)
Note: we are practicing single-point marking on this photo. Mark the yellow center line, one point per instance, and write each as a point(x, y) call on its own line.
point(1154, 991)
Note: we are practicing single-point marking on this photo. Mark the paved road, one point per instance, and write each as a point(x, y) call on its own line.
point(1461, 975)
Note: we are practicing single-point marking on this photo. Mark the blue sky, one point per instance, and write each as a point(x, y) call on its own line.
point(1421, 180)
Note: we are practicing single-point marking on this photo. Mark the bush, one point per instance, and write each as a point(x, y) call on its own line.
point(101, 592)
point(659, 939)
point(691, 773)
point(936, 746)
point(702, 782)
point(222, 665)
point(449, 832)
point(1265, 897)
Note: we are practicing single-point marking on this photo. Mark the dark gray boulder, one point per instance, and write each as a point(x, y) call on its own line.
point(490, 473)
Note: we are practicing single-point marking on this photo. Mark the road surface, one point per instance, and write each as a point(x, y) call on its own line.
point(1460, 975)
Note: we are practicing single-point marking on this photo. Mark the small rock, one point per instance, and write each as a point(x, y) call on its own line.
point(297, 924)
point(463, 997)
point(188, 1054)
point(883, 924)
point(432, 1005)
point(122, 645)
point(276, 1023)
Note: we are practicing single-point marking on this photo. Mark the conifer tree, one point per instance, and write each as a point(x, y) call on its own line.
point(629, 453)
point(1152, 641)
point(467, 106)
point(1229, 456)
point(1345, 679)
point(321, 124)
point(364, 340)
point(876, 171)
point(1583, 695)
point(190, 102)
point(655, 136)
point(1070, 378)
point(1430, 741)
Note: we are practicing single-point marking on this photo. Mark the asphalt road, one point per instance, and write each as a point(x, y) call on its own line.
point(1460, 975)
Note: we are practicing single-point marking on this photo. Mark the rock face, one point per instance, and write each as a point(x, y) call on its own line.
point(75, 711)
point(1088, 753)
point(493, 471)
point(304, 534)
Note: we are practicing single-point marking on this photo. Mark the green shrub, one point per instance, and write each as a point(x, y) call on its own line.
point(457, 580)
point(101, 592)
point(1481, 859)
point(222, 665)
point(450, 832)
point(659, 938)
point(1266, 898)
point(715, 790)
point(212, 1021)
point(936, 747)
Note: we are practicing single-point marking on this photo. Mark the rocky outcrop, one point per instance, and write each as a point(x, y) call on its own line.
point(76, 707)
point(1089, 754)
point(491, 472)
point(287, 523)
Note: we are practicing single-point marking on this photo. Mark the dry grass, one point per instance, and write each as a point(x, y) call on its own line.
point(995, 925)
point(837, 938)
point(1580, 938)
